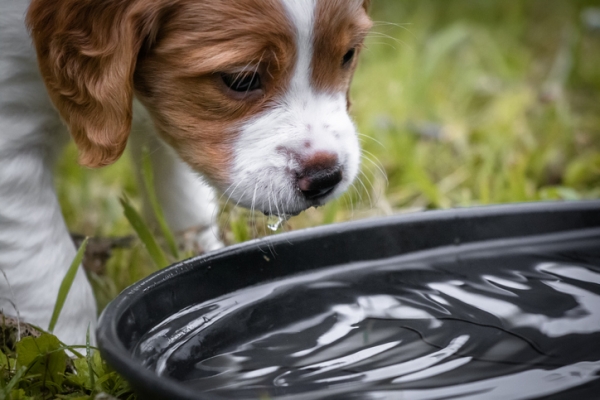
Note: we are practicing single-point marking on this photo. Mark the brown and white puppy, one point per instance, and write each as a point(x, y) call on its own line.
point(251, 94)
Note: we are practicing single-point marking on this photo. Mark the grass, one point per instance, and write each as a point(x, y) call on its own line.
point(459, 103)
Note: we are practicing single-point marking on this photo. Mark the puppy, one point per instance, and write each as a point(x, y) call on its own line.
point(251, 94)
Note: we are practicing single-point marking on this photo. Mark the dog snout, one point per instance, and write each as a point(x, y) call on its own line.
point(319, 175)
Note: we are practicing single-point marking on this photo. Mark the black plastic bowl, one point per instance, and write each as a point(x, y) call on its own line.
point(127, 318)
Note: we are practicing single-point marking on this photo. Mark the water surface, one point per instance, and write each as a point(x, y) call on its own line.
point(509, 320)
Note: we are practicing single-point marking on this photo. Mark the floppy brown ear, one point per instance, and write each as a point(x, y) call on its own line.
point(87, 51)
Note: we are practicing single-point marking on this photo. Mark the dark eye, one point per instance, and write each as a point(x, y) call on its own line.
point(347, 59)
point(242, 81)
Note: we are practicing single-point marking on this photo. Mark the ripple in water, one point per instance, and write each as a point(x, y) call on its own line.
point(506, 322)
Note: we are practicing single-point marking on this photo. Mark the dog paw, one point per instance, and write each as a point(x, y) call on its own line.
point(200, 239)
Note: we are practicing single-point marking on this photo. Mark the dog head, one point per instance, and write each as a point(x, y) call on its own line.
point(253, 94)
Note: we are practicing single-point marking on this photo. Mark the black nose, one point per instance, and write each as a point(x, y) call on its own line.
point(319, 176)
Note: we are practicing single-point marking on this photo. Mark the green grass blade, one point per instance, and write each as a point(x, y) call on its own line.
point(65, 286)
point(158, 212)
point(13, 382)
point(88, 358)
point(142, 230)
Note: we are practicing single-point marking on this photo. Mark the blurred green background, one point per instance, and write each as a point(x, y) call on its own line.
point(459, 103)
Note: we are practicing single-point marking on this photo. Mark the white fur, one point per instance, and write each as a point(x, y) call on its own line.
point(188, 203)
point(266, 152)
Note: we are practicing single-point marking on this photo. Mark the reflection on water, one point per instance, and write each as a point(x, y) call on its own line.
point(506, 322)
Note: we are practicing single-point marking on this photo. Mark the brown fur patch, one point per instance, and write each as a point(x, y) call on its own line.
point(87, 54)
point(178, 80)
point(93, 54)
point(340, 25)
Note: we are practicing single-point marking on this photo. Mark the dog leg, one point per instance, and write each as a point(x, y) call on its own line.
point(37, 250)
point(188, 203)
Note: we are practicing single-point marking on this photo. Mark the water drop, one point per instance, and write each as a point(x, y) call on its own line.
point(275, 222)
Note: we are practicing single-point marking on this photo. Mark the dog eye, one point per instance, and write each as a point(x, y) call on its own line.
point(242, 81)
point(347, 59)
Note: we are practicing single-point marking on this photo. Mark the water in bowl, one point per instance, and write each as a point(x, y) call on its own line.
point(512, 320)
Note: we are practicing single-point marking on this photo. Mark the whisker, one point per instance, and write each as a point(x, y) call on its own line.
point(244, 69)
point(358, 193)
point(228, 219)
point(394, 39)
point(352, 198)
point(384, 35)
point(230, 194)
point(225, 191)
point(401, 26)
point(376, 194)
point(252, 211)
point(370, 138)
point(256, 68)
point(367, 48)
point(269, 196)
point(366, 191)
point(367, 155)
point(387, 23)
point(367, 178)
